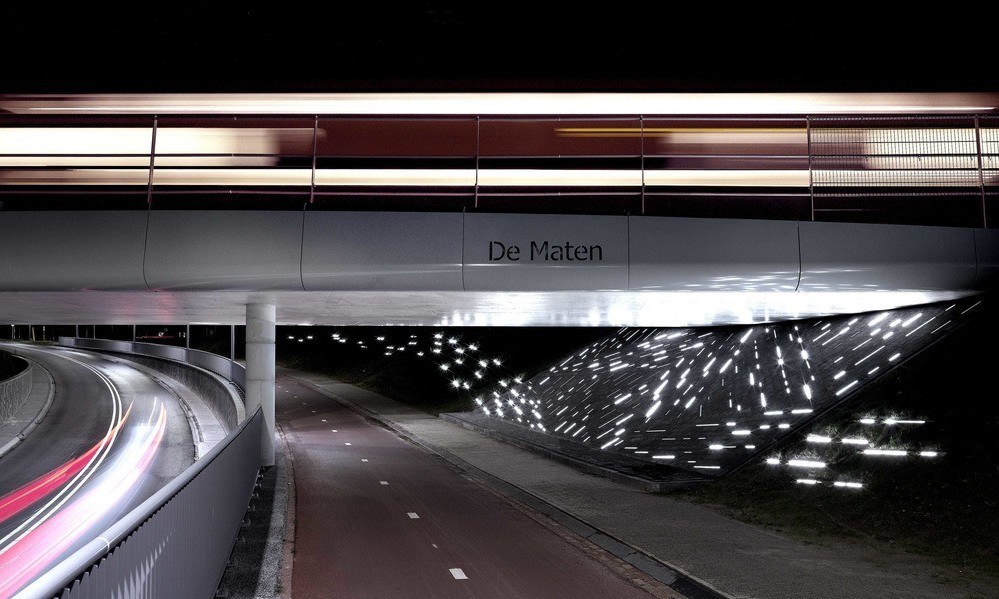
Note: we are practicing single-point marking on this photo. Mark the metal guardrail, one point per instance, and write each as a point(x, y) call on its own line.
point(177, 542)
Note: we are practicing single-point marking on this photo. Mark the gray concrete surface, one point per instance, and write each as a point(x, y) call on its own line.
point(659, 532)
point(257, 564)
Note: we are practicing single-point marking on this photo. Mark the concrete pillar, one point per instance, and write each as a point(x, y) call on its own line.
point(260, 369)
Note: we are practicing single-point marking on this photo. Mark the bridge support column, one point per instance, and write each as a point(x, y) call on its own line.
point(260, 370)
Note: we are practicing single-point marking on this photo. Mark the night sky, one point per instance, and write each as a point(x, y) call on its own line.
point(91, 47)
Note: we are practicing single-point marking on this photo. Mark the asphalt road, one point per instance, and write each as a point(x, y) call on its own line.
point(379, 517)
point(79, 471)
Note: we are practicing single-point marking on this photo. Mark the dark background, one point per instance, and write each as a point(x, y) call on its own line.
point(516, 46)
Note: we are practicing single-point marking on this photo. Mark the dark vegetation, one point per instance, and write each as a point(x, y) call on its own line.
point(418, 380)
point(9, 365)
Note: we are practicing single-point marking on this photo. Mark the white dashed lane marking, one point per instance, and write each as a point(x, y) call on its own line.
point(384, 482)
point(414, 515)
point(458, 574)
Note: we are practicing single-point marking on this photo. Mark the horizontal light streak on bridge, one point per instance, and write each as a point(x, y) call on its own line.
point(231, 140)
point(291, 177)
point(710, 135)
point(94, 176)
point(560, 177)
point(728, 178)
point(401, 176)
point(34, 141)
point(504, 103)
point(61, 161)
point(95, 141)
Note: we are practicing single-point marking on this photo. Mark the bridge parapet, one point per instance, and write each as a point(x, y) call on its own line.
point(217, 380)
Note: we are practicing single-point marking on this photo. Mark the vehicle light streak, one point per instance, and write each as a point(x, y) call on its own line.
point(81, 477)
point(34, 551)
point(20, 498)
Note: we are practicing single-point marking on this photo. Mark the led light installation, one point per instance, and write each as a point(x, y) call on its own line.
point(708, 400)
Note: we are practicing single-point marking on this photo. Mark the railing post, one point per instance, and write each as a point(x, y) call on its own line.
point(981, 171)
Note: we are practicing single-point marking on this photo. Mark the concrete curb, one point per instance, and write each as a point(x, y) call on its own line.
point(287, 560)
point(671, 576)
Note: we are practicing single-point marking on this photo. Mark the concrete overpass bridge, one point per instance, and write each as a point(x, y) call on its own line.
point(490, 209)
point(519, 209)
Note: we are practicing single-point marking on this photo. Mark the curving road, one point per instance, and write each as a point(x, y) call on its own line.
point(379, 517)
point(112, 437)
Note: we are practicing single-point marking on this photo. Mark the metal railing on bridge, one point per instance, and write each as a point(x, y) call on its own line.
point(177, 542)
point(914, 169)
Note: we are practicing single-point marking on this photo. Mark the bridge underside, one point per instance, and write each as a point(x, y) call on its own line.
point(423, 308)
point(439, 269)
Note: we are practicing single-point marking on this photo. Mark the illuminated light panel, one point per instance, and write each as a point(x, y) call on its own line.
point(806, 464)
point(847, 484)
point(886, 452)
point(697, 417)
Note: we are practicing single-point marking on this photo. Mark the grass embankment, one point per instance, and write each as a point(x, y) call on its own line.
point(944, 507)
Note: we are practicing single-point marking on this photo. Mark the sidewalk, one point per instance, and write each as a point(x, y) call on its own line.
point(653, 531)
